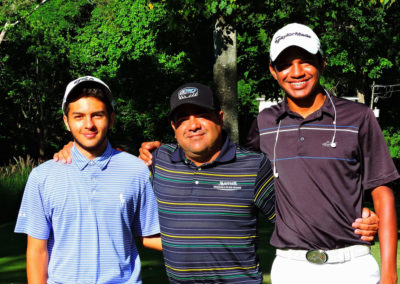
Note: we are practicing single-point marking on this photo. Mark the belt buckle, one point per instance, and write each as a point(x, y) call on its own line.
point(317, 256)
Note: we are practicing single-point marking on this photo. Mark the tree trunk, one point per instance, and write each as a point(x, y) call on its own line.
point(225, 74)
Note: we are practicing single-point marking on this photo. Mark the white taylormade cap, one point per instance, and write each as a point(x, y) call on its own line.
point(294, 35)
point(86, 79)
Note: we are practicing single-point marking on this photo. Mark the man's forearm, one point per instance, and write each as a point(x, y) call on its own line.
point(385, 208)
point(152, 242)
point(36, 264)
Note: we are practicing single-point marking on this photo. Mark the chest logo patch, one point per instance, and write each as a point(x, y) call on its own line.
point(122, 200)
point(227, 185)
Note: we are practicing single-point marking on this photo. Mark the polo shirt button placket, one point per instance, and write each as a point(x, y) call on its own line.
point(195, 177)
point(300, 144)
point(93, 190)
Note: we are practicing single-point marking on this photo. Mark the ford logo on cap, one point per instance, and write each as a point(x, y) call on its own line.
point(189, 92)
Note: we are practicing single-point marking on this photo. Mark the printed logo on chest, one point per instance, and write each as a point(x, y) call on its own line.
point(227, 185)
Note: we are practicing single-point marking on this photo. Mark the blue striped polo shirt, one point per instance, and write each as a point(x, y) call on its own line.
point(88, 212)
point(208, 214)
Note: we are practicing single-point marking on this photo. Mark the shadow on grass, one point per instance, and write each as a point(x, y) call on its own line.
point(13, 263)
point(265, 251)
point(153, 270)
point(12, 255)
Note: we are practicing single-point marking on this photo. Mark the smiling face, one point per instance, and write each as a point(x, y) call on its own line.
point(199, 132)
point(298, 73)
point(88, 121)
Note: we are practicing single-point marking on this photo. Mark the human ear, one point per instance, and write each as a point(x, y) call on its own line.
point(174, 128)
point(66, 122)
point(273, 71)
point(112, 119)
point(221, 116)
point(323, 64)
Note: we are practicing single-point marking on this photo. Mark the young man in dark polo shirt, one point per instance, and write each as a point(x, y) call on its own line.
point(326, 154)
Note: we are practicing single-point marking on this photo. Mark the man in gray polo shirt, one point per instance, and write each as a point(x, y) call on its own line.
point(326, 154)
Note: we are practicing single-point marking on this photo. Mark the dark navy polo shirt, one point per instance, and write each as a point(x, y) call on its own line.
point(208, 214)
point(320, 189)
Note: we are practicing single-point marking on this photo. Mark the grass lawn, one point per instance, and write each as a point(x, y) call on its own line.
point(12, 257)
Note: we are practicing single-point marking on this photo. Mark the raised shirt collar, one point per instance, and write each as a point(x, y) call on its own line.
point(101, 161)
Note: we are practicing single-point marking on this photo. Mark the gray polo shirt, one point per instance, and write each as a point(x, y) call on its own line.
point(320, 189)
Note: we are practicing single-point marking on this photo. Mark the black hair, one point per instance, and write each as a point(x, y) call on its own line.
point(90, 89)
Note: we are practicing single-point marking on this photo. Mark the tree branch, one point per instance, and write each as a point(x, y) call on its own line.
point(7, 24)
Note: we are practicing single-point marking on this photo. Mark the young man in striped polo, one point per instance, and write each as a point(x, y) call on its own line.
point(80, 218)
point(327, 154)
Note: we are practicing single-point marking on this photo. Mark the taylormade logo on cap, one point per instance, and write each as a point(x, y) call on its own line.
point(279, 38)
point(84, 79)
point(189, 92)
point(294, 35)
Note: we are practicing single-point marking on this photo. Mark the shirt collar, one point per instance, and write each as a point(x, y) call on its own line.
point(283, 108)
point(101, 161)
point(227, 153)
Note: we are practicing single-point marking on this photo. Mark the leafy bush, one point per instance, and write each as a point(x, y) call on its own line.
point(392, 137)
point(12, 182)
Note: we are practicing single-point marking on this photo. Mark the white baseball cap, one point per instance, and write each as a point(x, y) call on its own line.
point(294, 35)
point(73, 84)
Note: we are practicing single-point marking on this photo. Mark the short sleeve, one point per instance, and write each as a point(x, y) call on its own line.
point(377, 165)
point(146, 221)
point(253, 137)
point(32, 218)
point(264, 192)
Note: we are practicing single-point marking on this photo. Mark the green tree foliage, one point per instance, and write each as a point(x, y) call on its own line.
point(14, 12)
point(34, 70)
point(392, 137)
point(359, 38)
point(145, 49)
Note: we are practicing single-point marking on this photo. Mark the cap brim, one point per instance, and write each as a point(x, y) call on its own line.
point(189, 103)
point(309, 49)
